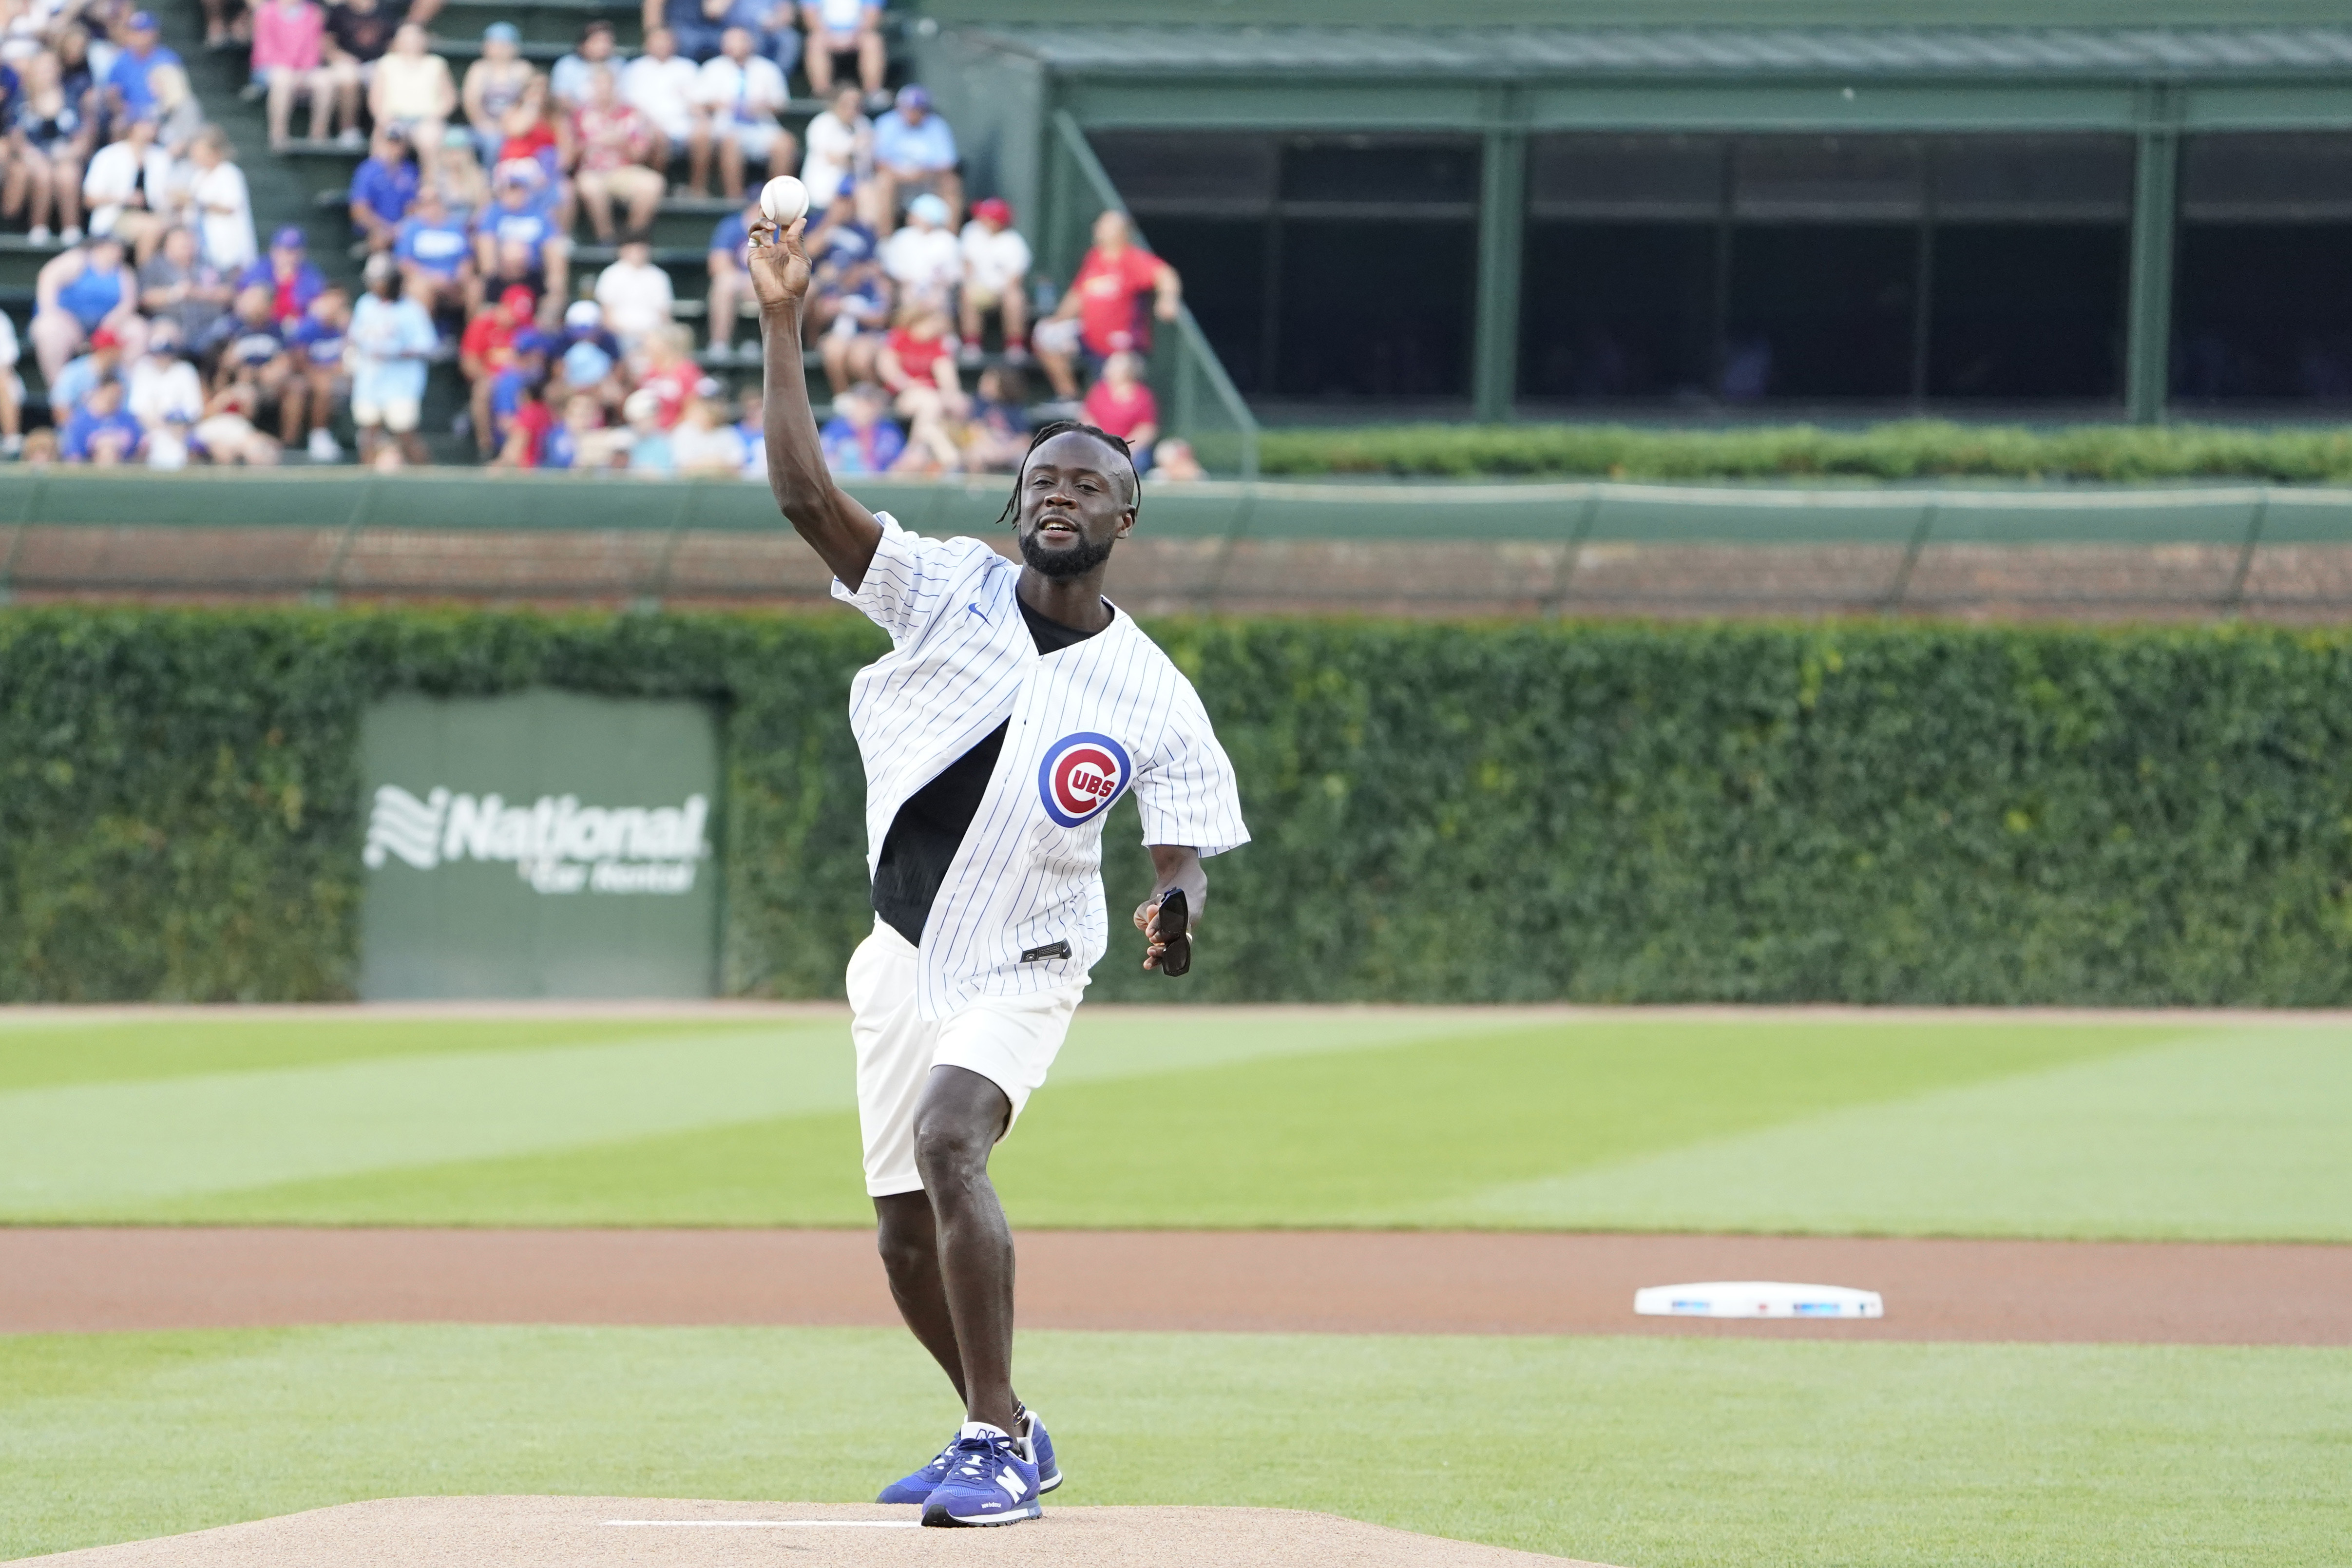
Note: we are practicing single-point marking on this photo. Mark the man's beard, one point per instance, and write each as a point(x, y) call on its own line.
point(1071, 561)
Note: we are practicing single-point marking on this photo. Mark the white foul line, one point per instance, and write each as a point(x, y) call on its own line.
point(764, 1523)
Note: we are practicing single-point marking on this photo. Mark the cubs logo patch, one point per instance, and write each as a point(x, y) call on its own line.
point(1081, 775)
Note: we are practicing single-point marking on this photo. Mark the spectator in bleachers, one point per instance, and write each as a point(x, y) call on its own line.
point(635, 295)
point(77, 293)
point(166, 396)
point(567, 82)
point(694, 25)
point(839, 32)
point(918, 362)
point(704, 443)
point(359, 33)
point(70, 387)
point(611, 144)
point(660, 83)
point(222, 203)
point(567, 442)
point(856, 308)
point(858, 438)
point(179, 117)
point(914, 153)
point(1103, 313)
point(484, 351)
point(751, 422)
point(996, 280)
point(495, 84)
point(587, 370)
point(517, 239)
point(49, 139)
point(435, 254)
point(256, 350)
point(288, 60)
point(1120, 403)
point(924, 258)
point(383, 187)
point(996, 431)
point(288, 274)
point(128, 89)
point(740, 93)
point(458, 175)
point(101, 431)
point(12, 390)
point(228, 434)
point(668, 370)
point(839, 237)
point(731, 280)
point(128, 188)
point(648, 452)
point(532, 138)
point(180, 287)
point(583, 323)
point(413, 91)
point(391, 342)
point(519, 415)
point(840, 154)
point(315, 383)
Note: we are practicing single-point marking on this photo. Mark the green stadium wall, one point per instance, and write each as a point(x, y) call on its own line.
point(1507, 812)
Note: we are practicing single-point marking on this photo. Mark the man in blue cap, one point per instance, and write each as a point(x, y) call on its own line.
point(287, 272)
point(914, 152)
point(127, 91)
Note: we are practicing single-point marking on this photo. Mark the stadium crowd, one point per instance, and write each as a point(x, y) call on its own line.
point(166, 333)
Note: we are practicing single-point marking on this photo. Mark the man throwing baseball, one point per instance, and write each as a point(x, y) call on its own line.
point(1015, 706)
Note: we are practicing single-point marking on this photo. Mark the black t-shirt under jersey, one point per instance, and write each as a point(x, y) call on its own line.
point(930, 825)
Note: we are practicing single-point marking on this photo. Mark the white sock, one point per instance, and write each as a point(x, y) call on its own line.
point(982, 1429)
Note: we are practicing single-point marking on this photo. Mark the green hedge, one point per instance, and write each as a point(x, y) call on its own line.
point(1892, 813)
point(1916, 450)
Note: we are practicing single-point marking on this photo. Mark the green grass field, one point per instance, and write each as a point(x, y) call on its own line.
point(1665, 1453)
point(1647, 1452)
point(1191, 1118)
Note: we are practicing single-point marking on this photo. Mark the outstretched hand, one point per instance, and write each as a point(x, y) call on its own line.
point(780, 267)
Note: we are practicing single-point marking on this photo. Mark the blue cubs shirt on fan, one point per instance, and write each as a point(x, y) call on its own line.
point(1083, 725)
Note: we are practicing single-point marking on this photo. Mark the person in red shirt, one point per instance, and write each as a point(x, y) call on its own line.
point(1122, 403)
point(1103, 314)
point(918, 362)
point(483, 352)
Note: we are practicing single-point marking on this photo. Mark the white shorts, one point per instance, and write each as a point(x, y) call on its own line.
point(756, 137)
point(397, 414)
point(1008, 1040)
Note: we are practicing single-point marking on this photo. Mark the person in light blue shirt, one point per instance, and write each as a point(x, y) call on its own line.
point(392, 339)
point(914, 151)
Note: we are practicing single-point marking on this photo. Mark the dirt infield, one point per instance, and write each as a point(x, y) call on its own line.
point(80, 1279)
point(650, 1532)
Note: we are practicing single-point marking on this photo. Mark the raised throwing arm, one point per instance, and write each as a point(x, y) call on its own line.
point(837, 528)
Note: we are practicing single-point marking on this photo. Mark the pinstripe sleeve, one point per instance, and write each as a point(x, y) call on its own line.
point(912, 578)
point(1187, 790)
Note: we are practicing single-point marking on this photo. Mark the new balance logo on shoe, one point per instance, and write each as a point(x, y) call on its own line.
point(1015, 1487)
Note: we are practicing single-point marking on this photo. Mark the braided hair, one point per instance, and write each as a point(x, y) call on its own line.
point(1052, 428)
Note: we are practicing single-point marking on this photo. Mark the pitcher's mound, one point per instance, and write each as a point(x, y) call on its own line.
point(592, 1532)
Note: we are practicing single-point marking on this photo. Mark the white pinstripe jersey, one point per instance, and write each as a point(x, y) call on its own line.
point(1083, 725)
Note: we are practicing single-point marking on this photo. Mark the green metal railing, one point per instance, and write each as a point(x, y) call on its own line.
point(1198, 399)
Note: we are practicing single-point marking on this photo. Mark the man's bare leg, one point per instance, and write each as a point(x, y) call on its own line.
point(958, 1122)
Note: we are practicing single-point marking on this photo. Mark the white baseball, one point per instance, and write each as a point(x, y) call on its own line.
point(783, 201)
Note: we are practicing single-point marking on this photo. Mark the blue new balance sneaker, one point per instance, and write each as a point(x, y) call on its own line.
point(917, 1488)
point(1040, 1449)
point(990, 1482)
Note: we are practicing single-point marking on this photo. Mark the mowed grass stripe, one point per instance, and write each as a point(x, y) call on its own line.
point(2239, 1138)
point(1663, 1453)
point(37, 1054)
point(1413, 1134)
point(156, 1147)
